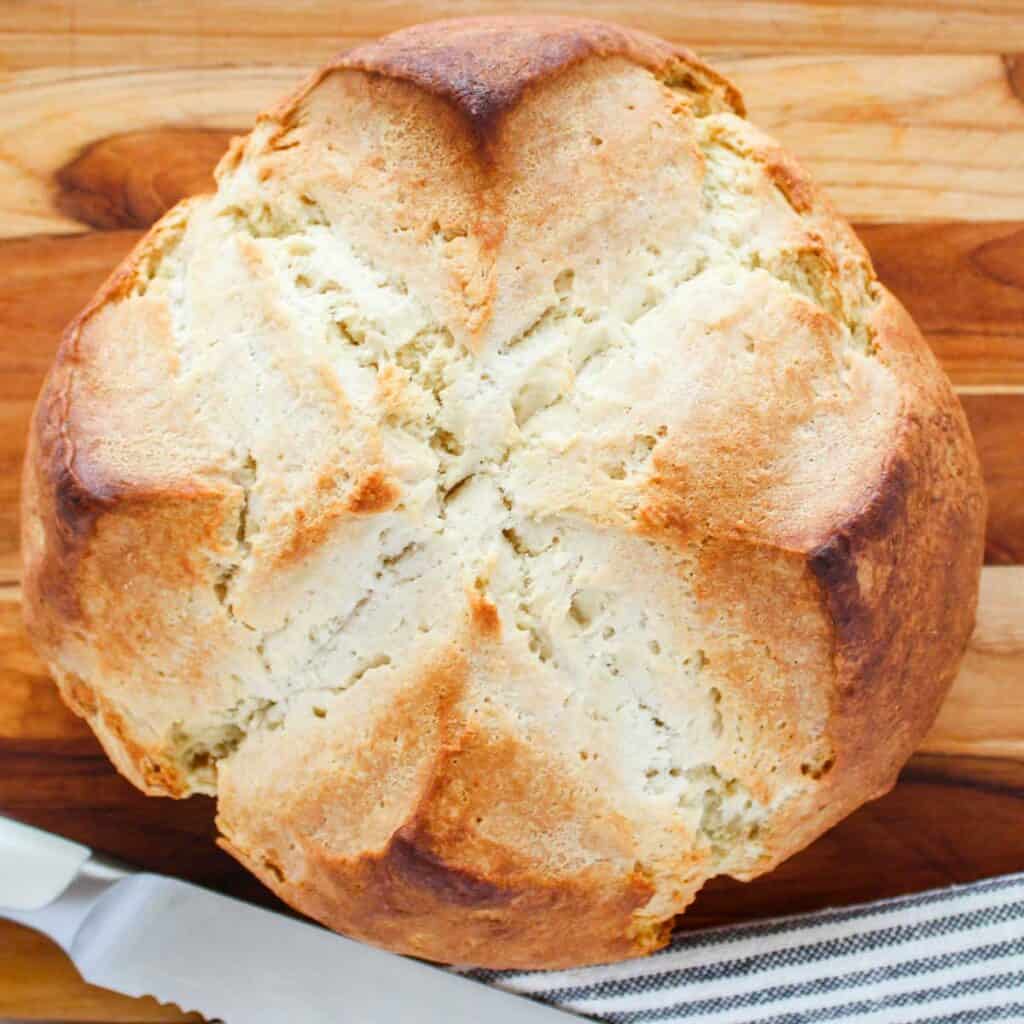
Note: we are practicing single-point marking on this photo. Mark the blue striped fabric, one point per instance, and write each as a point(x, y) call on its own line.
point(951, 956)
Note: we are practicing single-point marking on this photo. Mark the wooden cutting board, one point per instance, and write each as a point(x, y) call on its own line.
point(912, 114)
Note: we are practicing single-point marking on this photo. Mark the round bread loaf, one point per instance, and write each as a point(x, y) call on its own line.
point(512, 494)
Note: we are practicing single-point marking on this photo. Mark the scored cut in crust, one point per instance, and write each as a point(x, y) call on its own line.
point(512, 494)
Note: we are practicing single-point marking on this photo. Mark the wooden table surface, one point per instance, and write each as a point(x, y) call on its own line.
point(911, 113)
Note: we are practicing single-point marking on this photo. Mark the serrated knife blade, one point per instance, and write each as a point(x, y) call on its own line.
point(146, 934)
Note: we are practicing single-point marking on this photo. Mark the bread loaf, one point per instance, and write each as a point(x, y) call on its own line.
point(511, 494)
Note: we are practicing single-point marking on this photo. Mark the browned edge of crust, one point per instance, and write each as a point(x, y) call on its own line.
point(899, 579)
point(417, 891)
point(483, 66)
point(60, 492)
point(62, 499)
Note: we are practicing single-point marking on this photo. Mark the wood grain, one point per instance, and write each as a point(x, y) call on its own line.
point(893, 138)
point(48, 119)
point(130, 180)
point(896, 138)
point(910, 113)
point(964, 284)
point(997, 422)
point(38, 982)
point(983, 716)
point(211, 32)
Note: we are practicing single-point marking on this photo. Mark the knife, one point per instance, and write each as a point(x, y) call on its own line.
point(146, 934)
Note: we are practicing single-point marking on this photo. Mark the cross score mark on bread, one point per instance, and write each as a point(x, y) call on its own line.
point(512, 494)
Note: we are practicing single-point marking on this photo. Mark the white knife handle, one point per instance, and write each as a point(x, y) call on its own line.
point(35, 867)
point(49, 883)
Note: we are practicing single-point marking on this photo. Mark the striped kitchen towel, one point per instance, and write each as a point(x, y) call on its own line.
point(951, 956)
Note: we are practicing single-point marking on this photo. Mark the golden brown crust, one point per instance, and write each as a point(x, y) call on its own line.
point(63, 493)
point(147, 767)
point(407, 899)
point(483, 66)
point(445, 878)
point(512, 535)
point(901, 601)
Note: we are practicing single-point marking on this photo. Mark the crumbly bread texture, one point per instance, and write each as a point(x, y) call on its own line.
point(512, 494)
